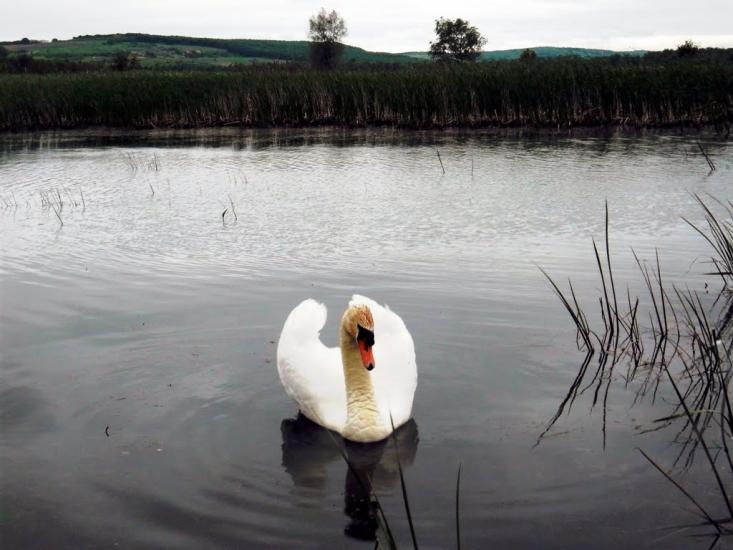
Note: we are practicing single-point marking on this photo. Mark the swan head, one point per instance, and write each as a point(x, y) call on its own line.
point(358, 323)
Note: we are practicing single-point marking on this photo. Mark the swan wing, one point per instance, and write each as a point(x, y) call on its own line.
point(395, 371)
point(310, 372)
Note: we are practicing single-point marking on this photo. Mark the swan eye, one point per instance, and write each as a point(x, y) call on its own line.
point(365, 335)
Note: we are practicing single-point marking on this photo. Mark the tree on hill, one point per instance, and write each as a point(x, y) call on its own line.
point(456, 39)
point(326, 32)
point(687, 49)
point(528, 55)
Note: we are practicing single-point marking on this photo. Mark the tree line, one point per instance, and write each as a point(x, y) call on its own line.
point(456, 39)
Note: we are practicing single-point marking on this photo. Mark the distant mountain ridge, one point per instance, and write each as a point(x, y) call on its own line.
point(541, 51)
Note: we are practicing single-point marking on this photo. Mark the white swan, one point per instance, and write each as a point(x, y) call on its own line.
point(353, 391)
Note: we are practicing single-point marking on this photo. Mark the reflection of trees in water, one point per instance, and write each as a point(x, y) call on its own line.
point(307, 450)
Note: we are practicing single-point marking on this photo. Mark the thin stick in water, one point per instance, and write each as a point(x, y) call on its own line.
point(404, 487)
point(458, 515)
point(57, 214)
point(441, 161)
point(682, 489)
point(233, 210)
point(707, 158)
point(71, 198)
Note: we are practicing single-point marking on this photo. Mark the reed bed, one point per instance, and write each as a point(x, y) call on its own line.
point(677, 342)
point(549, 93)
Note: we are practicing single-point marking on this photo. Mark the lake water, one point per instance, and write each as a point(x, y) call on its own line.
point(149, 312)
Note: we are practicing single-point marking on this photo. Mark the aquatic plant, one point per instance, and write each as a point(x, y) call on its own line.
point(685, 346)
point(555, 93)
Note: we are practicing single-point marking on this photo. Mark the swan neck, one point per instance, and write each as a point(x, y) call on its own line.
point(362, 416)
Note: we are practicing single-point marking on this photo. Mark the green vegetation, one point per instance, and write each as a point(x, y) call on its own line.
point(528, 55)
point(124, 61)
point(93, 52)
point(543, 51)
point(326, 32)
point(183, 52)
point(685, 347)
point(142, 80)
point(545, 93)
point(687, 49)
point(456, 40)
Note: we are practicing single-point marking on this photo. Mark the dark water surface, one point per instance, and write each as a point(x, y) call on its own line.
point(149, 313)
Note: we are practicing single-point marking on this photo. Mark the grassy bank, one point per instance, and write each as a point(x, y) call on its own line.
point(547, 93)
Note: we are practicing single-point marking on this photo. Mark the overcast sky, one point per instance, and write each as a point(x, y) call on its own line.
point(389, 25)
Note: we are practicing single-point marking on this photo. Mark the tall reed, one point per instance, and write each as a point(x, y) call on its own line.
point(686, 346)
point(553, 93)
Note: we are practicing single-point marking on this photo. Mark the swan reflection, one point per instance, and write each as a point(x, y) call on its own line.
point(307, 450)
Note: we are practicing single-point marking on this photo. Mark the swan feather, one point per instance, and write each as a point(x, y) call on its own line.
point(312, 373)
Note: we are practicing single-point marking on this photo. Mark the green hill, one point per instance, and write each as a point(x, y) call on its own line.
point(162, 51)
point(542, 51)
point(154, 50)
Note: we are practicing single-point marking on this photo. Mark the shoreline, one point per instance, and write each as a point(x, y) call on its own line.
point(709, 130)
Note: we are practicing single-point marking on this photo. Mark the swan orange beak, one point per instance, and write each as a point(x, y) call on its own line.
point(367, 357)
